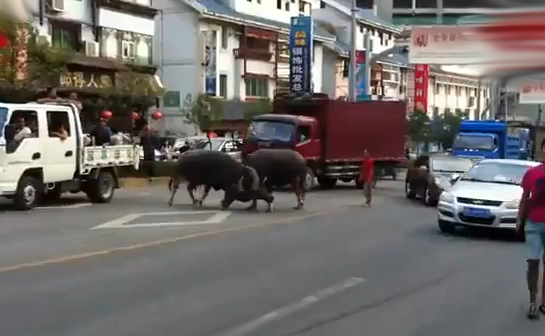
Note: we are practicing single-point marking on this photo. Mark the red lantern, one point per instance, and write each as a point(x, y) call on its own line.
point(157, 115)
point(135, 116)
point(212, 135)
point(106, 114)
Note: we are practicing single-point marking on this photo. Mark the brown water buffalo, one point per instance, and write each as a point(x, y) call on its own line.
point(277, 168)
point(218, 170)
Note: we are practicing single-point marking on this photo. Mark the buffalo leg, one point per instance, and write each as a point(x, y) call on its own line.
point(204, 195)
point(227, 200)
point(190, 189)
point(299, 191)
point(253, 205)
point(173, 186)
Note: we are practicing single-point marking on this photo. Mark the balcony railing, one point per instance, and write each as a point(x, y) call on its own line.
point(256, 54)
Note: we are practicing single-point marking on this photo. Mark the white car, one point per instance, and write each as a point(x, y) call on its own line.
point(487, 195)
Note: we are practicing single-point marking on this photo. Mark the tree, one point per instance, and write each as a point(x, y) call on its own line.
point(204, 112)
point(253, 109)
point(419, 123)
point(444, 128)
point(28, 62)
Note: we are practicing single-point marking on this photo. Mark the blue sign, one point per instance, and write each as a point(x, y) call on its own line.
point(301, 50)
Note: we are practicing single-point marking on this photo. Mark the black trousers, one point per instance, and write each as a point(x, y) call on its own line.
point(149, 167)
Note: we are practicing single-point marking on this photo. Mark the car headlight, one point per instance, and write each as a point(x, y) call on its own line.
point(446, 197)
point(514, 204)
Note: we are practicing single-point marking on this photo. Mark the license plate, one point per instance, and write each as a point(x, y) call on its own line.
point(476, 212)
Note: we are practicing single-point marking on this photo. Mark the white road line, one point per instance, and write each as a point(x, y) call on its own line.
point(251, 326)
point(71, 206)
point(121, 222)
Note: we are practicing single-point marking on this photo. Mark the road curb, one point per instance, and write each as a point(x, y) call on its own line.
point(142, 182)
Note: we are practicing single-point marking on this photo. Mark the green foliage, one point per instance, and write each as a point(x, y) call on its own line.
point(29, 62)
point(444, 128)
point(253, 109)
point(204, 112)
point(419, 126)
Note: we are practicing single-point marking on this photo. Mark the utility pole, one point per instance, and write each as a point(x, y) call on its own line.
point(440, 8)
point(352, 69)
point(367, 64)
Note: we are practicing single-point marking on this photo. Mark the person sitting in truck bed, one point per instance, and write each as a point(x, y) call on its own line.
point(101, 134)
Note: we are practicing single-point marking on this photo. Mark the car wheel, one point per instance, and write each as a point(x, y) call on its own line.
point(445, 227)
point(408, 192)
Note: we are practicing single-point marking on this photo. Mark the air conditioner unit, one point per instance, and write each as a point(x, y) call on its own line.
point(56, 5)
point(91, 48)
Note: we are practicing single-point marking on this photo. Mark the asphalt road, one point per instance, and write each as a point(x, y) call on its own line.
point(336, 268)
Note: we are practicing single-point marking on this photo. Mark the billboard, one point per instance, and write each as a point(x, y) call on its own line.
point(301, 50)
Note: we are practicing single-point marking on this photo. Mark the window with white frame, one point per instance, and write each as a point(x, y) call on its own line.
point(127, 49)
point(257, 87)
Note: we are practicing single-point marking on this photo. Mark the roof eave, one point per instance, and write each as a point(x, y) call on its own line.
point(228, 18)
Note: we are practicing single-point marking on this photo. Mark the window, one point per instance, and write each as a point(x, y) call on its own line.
point(381, 37)
point(279, 4)
point(22, 125)
point(223, 86)
point(303, 133)
point(287, 6)
point(302, 7)
point(257, 87)
point(127, 49)
point(322, 4)
point(65, 35)
point(57, 122)
point(224, 38)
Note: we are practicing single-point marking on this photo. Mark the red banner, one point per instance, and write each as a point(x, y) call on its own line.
point(421, 80)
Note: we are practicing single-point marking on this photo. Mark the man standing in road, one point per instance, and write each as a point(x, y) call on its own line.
point(531, 222)
point(367, 175)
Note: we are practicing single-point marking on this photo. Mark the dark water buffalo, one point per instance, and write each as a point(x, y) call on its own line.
point(277, 168)
point(218, 170)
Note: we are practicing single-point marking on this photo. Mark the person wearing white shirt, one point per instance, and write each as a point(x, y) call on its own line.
point(23, 131)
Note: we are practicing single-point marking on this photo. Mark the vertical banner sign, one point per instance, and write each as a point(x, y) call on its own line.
point(210, 64)
point(361, 80)
point(301, 50)
point(421, 79)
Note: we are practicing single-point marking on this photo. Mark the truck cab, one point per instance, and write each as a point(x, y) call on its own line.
point(490, 140)
point(295, 132)
point(44, 164)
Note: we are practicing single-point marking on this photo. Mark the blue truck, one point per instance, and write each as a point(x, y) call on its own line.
point(492, 140)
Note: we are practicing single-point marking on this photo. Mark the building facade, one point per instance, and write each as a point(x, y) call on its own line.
point(107, 37)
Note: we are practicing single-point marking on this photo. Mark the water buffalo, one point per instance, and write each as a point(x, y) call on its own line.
point(218, 170)
point(277, 168)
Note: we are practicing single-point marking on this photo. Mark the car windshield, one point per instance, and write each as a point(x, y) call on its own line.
point(464, 141)
point(450, 165)
point(204, 144)
point(496, 172)
point(271, 130)
point(3, 115)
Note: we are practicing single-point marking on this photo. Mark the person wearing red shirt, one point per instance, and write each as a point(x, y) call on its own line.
point(531, 222)
point(367, 175)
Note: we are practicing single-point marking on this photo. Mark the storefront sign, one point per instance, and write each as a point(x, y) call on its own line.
point(86, 80)
point(421, 80)
point(532, 92)
point(301, 50)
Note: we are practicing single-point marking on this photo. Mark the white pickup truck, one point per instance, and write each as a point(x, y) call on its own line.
point(42, 165)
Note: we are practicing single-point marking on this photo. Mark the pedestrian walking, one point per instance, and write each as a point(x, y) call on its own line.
point(149, 143)
point(367, 176)
point(531, 223)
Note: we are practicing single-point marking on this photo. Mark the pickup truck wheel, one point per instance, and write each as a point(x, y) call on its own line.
point(102, 189)
point(309, 180)
point(27, 195)
point(327, 183)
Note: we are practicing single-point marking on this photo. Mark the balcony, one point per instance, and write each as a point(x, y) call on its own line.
point(255, 54)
